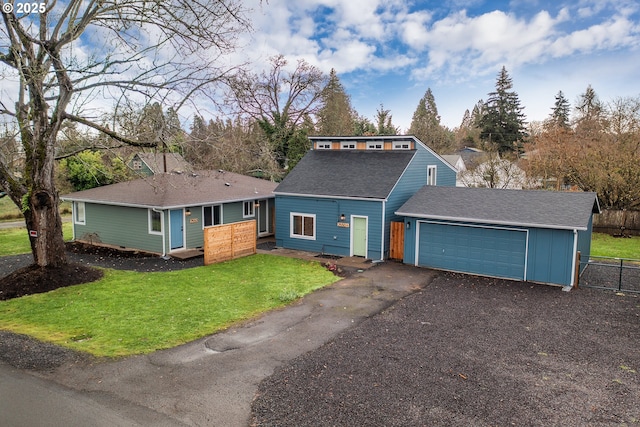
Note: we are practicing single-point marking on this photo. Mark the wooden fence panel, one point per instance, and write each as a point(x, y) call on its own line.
point(229, 241)
point(396, 245)
point(617, 222)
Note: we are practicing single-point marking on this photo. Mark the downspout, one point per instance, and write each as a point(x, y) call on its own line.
point(575, 257)
point(164, 234)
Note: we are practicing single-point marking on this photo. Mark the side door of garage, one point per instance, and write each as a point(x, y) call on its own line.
point(483, 250)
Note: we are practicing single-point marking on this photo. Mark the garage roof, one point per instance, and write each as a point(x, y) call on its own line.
point(529, 208)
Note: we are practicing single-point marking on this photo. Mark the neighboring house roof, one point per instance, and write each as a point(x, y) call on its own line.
point(456, 161)
point(156, 161)
point(346, 173)
point(472, 157)
point(165, 191)
point(544, 209)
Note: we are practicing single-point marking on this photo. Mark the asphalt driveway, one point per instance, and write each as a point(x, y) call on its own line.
point(212, 381)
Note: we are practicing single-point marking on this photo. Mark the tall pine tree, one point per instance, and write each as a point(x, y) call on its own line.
point(503, 123)
point(560, 112)
point(335, 116)
point(425, 124)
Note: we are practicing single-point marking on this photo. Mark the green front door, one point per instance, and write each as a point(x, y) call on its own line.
point(359, 236)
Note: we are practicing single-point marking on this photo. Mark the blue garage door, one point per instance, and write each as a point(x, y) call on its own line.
point(486, 251)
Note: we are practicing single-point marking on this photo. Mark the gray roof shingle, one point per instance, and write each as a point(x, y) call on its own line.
point(178, 190)
point(535, 208)
point(174, 162)
point(344, 173)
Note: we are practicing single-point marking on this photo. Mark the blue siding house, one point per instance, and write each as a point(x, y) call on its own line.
point(515, 234)
point(342, 196)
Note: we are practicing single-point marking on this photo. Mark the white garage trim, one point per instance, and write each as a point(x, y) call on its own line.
point(455, 224)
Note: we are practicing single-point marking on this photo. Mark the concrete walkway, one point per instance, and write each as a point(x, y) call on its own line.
point(212, 381)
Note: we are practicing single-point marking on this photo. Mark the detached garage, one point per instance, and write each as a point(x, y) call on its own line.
point(514, 234)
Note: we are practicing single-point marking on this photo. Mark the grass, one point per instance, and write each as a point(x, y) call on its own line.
point(15, 241)
point(129, 313)
point(615, 247)
point(8, 210)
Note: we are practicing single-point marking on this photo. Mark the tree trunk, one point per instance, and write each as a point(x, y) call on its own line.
point(44, 226)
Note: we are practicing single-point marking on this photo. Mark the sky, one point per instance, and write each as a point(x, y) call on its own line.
point(389, 52)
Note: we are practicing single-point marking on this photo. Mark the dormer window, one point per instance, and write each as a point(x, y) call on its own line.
point(348, 146)
point(323, 146)
point(401, 145)
point(375, 145)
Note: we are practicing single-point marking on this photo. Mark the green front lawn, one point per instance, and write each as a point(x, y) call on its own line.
point(133, 313)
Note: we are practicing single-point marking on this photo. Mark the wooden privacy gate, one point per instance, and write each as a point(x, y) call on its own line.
point(396, 245)
point(229, 241)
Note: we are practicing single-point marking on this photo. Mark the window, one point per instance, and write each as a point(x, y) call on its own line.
point(375, 146)
point(248, 210)
point(79, 217)
point(303, 226)
point(431, 174)
point(401, 146)
point(155, 222)
point(212, 215)
point(137, 165)
point(323, 146)
point(348, 146)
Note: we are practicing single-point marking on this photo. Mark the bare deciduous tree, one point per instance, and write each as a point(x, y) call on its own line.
point(279, 100)
point(77, 54)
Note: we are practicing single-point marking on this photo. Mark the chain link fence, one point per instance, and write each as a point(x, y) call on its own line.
point(619, 274)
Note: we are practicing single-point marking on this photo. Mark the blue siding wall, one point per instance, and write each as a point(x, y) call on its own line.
point(330, 239)
point(584, 245)
point(413, 179)
point(549, 252)
point(550, 257)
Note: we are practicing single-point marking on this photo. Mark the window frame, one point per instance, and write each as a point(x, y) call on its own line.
point(374, 145)
point(213, 215)
point(432, 174)
point(324, 146)
point(151, 213)
point(292, 216)
point(252, 205)
point(399, 145)
point(77, 218)
point(346, 145)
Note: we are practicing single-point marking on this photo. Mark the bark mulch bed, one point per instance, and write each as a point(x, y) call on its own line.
point(33, 279)
point(470, 351)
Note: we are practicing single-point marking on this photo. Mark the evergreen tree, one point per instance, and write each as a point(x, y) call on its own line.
point(560, 112)
point(589, 105)
point(590, 115)
point(363, 126)
point(425, 124)
point(336, 116)
point(384, 121)
point(503, 123)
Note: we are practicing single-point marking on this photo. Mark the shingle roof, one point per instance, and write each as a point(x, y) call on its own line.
point(344, 173)
point(536, 208)
point(178, 190)
point(174, 161)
